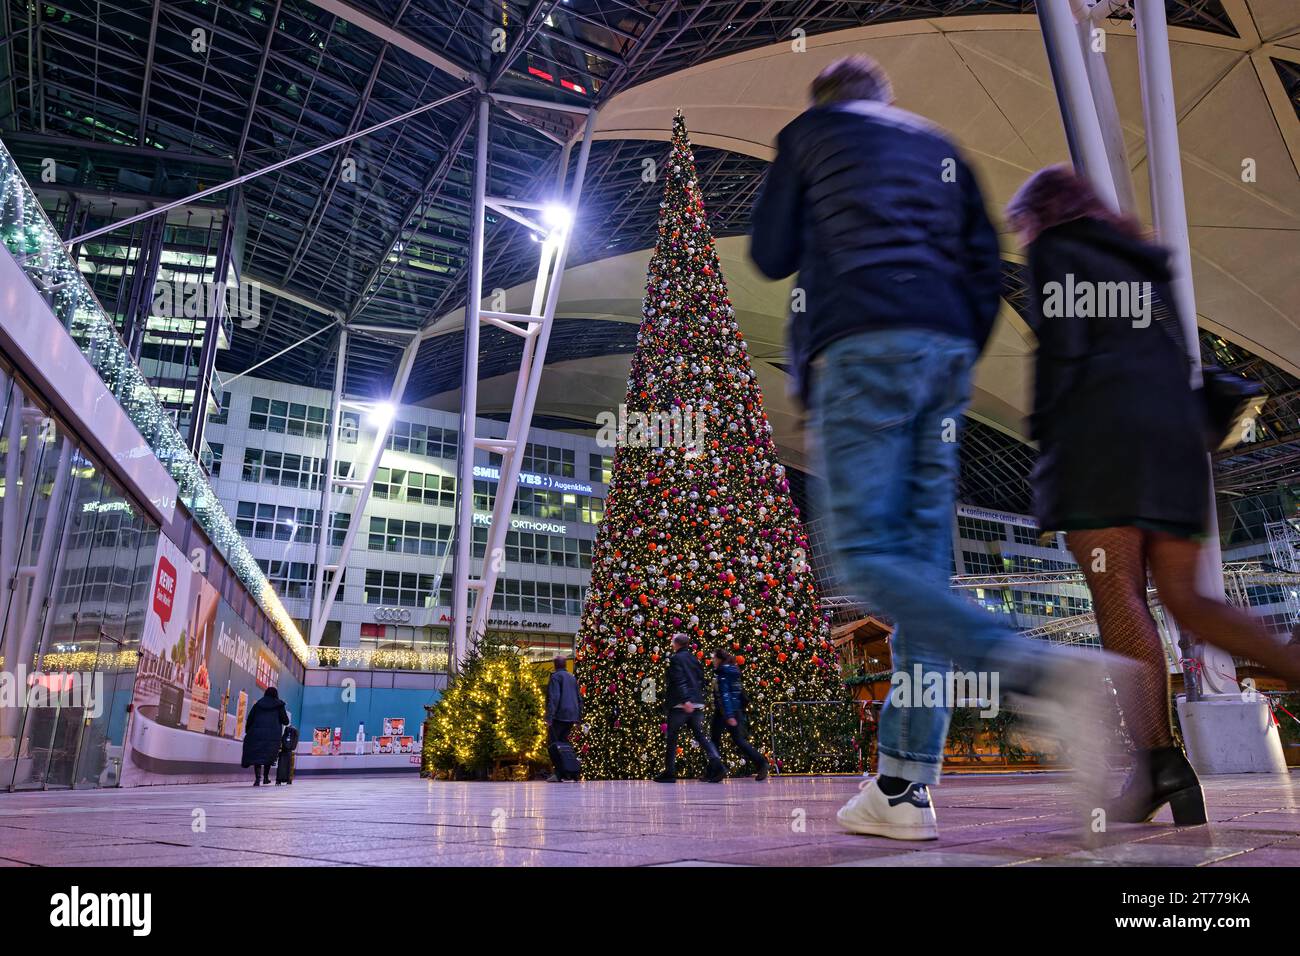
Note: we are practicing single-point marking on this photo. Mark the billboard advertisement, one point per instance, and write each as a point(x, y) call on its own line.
point(201, 670)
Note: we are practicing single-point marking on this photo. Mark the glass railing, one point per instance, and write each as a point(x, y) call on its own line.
point(28, 234)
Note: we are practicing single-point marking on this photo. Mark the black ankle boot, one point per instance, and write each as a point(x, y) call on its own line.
point(1159, 777)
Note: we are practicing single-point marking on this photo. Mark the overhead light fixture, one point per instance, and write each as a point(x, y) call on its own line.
point(557, 217)
point(381, 414)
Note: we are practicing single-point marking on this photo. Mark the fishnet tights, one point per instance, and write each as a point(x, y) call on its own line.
point(1114, 563)
point(1127, 628)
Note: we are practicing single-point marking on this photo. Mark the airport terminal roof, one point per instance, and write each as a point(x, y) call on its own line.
point(209, 89)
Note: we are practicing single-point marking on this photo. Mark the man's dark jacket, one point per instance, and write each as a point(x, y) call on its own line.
point(685, 679)
point(562, 700)
point(886, 225)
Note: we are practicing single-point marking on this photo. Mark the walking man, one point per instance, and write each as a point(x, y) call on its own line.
point(563, 710)
point(899, 282)
point(729, 712)
point(686, 708)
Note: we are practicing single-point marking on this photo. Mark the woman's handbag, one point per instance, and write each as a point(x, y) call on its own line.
point(1227, 401)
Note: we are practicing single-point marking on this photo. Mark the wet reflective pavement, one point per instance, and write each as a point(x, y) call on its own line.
point(989, 820)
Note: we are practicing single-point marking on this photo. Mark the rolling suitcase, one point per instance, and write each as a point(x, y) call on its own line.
point(284, 768)
point(565, 760)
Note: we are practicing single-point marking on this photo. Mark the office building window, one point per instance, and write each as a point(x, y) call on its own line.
point(545, 460)
point(222, 415)
point(977, 529)
point(262, 466)
point(526, 547)
point(399, 588)
point(599, 468)
point(291, 579)
point(537, 597)
point(415, 487)
point(427, 440)
point(409, 537)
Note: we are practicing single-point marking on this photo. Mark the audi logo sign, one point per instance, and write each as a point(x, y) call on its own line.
point(393, 615)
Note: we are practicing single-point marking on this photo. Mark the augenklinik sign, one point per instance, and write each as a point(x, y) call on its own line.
point(532, 480)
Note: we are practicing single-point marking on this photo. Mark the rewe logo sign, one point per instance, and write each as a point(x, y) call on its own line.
point(164, 590)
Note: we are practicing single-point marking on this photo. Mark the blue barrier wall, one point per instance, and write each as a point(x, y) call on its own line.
point(326, 707)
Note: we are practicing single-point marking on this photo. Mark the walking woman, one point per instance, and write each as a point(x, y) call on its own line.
point(1122, 465)
point(263, 734)
point(729, 713)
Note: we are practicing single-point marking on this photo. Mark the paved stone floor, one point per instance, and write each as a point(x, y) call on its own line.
point(1014, 819)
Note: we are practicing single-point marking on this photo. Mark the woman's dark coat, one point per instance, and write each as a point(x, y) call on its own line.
point(262, 732)
point(1118, 427)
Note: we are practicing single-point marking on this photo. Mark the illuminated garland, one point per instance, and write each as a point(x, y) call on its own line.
point(707, 540)
point(385, 659)
point(32, 239)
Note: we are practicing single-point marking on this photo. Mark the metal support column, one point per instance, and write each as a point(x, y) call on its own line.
point(469, 402)
point(546, 294)
point(1074, 92)
point(1170, 217)
point(362, 487)
point(316, 626)
point(211, 332)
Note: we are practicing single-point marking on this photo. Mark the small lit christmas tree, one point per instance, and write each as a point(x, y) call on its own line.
point(490, 716)
point(700, 537)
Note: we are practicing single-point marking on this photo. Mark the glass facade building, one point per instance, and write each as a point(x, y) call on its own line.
point(394, 603)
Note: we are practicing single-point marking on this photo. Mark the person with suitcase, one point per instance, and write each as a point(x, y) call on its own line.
point(563, 710)
point(288, 749)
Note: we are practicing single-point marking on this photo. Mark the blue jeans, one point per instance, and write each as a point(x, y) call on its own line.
point(886, 407)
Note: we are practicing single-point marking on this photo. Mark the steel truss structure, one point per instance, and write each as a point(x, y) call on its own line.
point(285, 97)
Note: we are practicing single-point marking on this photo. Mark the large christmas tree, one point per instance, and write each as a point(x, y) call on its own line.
point(703, 539)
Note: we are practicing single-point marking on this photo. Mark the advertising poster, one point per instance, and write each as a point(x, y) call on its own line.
point(394, 726)
point(320, 741)
point(201, 670)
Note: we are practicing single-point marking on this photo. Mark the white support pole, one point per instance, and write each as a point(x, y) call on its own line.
point(1164, 167)
point(1074, 91)
point(324, 525)
point(1103, 98)
point(526, 397)
point(469, 403)
point(363, 488)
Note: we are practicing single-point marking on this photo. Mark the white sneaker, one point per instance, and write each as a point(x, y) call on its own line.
point(908, 816)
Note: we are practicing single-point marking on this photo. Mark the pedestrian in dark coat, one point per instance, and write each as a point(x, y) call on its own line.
point(262, 735)
point(685, 695)
point(1123, 466)
point(729, 712)
point(563, 708)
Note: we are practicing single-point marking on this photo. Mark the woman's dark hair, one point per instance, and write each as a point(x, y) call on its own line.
point(1058, 194)
point(272, 692)
point(724, 655)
